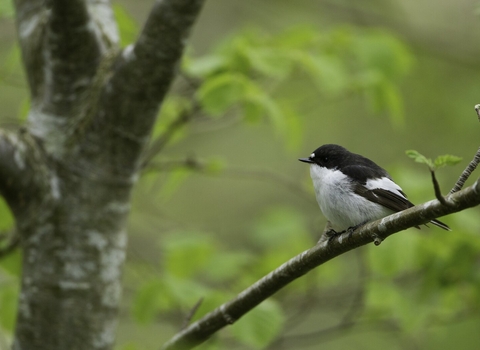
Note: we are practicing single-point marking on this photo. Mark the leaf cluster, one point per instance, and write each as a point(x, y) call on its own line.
point(439, 162)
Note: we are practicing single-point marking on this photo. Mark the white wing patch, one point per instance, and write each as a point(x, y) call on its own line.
point(386, 184)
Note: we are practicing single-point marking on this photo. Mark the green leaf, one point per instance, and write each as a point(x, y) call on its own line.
point(171, 109)
point(378, 50)
point(270, 61)
point(6, 9)
point(420, 158)
point(282, 233)
point(393, 103)
point(24, 109)
point(168, 293)
point(439, 162)
point(127, 26)
point(12, 263)
point(186, 253)
point(221, 92)
point(202, 67)
point(214, 166)
point(173, 181)
point(227, 266)
point(293, 125)
point(130, 346)
point(385, 299)
point(12, 63)
point(252, 111)
point(260, 326)
point(327, 71)
point(278, 225)
point(297, 37)
point(270, 108)
point(6, 217)
point(185, 293)
point(8, 306)
point(396, 258)
point(447, 159)
point(150, 299)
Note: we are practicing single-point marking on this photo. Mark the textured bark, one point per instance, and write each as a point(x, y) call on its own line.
point(68, 175)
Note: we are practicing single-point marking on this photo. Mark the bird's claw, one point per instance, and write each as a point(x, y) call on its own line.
point(352, 229)
point(331, 234)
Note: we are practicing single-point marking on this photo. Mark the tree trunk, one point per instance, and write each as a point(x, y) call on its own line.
point(68, 175)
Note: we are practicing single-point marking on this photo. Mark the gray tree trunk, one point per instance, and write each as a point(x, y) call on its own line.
point(68, 174)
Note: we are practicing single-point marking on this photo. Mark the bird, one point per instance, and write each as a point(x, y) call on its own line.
point(352, 190)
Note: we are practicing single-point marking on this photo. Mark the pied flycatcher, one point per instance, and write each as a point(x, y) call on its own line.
point(352, 190)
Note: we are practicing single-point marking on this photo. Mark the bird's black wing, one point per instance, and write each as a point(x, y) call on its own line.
point(383, 197)
point(388, 199)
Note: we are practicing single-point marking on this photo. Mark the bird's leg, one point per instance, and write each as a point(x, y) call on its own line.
point(332, 234)
point(328, 233)
point(351, 229)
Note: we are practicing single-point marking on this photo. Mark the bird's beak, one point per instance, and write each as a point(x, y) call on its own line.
point(305, 160)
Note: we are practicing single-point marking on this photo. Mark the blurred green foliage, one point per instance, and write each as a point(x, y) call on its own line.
point(413, 282)
point(6, 9)
point(246, 70)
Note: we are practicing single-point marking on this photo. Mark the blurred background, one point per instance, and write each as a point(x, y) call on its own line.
point(223, 199)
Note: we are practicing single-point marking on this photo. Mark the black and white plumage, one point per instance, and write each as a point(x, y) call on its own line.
point(352, 190)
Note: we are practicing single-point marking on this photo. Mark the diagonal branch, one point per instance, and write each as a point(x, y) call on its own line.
point(143, 74)
point(376, 231)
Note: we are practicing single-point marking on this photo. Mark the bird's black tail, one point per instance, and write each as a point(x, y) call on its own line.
point(440, 224)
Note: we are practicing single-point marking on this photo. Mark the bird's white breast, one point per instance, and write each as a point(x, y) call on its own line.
point(340, 205)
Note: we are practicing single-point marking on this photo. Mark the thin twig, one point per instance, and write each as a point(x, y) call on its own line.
point(191, 313)
point(436, 187)
point(201, 167)
point(471, 166)
point(159, 144)
point(466, 173)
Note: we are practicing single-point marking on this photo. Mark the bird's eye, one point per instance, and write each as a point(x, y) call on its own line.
point(325, 159)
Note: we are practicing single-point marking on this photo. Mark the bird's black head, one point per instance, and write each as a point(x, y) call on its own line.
point(328, 156)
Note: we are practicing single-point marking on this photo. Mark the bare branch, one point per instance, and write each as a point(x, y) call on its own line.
point(62, 43)
point(466, 173)
point(141, 76)
point(231, 311)
point(471, 166)
point(73, 48)
point(146, 69)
